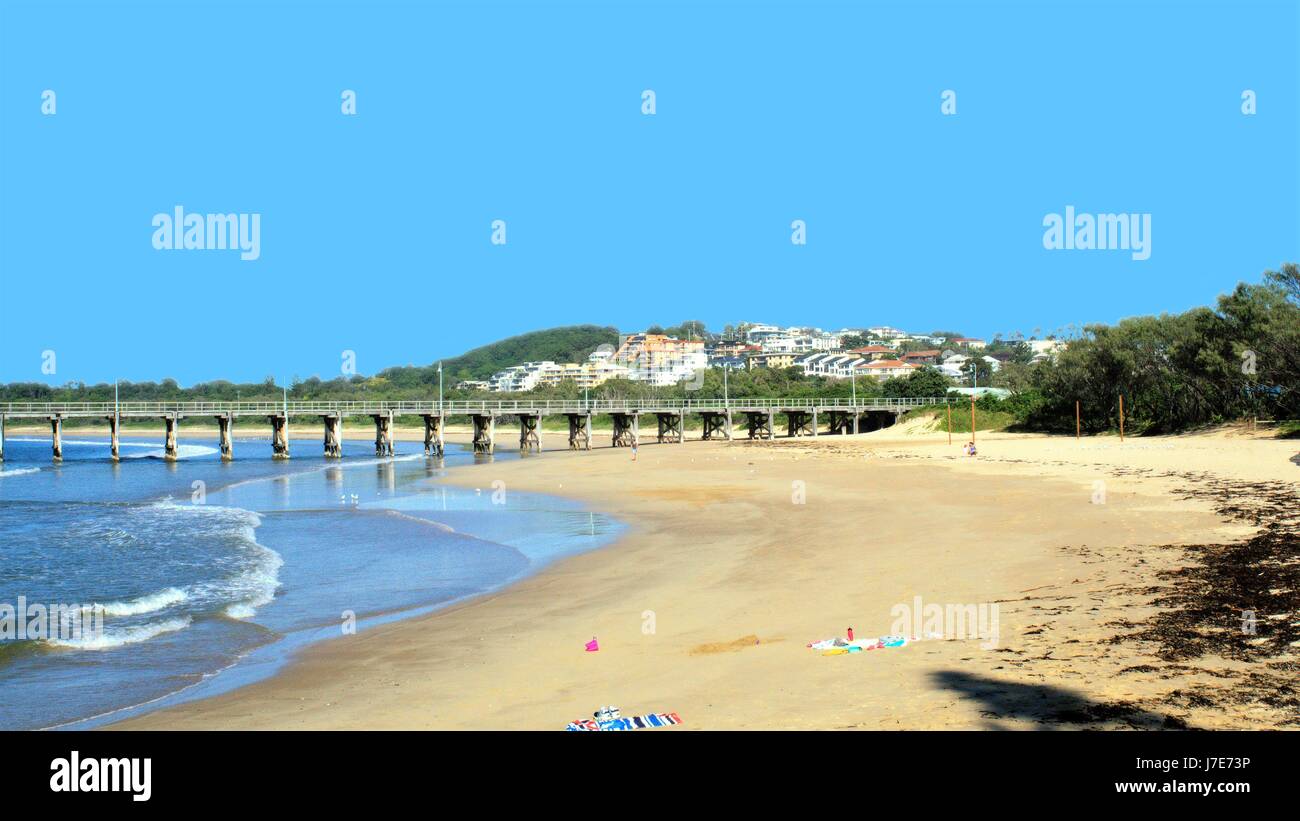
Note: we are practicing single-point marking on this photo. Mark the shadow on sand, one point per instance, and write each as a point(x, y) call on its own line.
point(1050, 706)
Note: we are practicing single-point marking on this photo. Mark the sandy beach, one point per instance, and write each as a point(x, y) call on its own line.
point(740, 554)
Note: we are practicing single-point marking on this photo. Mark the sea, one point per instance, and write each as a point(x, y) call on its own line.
point(209, 575)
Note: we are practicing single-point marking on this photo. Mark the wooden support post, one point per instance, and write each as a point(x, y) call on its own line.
point(112, 438)
point(729, 425)
point(383, 433)
point(771, 425)
point(627, 429)
point(670, 427)
point(224, 423)
point(949, 423)
point(2, 437)
point(711, 423)
point(972, 417)
point(432, 434)
point(1077, 421)
point(528, 437)
point(758, 424)
point(484, 432)
point(814, 422)
point(855, 420)
point(333, 435)
point(579, 431)
point(56, 431)
point(279, 436)
point(1121, 417)
point(169, 438)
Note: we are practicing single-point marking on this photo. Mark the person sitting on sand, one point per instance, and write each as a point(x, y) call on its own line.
point(970, 448)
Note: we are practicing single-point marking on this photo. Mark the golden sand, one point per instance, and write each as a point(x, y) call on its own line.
point(739, 554)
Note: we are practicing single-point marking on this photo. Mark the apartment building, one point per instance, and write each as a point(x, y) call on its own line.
point(660, 359)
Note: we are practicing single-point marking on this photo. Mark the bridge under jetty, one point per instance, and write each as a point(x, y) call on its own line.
point(756, 417)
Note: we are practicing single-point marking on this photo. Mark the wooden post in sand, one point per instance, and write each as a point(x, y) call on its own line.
point(972, 417)
point(949, 423)
point(1076, 419)
point(1121, 417)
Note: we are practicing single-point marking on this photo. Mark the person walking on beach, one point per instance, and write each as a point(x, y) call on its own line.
point(634, 451)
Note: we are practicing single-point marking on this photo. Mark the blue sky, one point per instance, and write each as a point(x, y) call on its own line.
point(375, 228)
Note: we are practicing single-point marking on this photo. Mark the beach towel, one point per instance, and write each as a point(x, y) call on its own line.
point(648, 720)
point(583, 725)
point(592, 646)
point(839, 647)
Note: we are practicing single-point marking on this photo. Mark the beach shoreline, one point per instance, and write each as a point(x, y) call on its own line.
point(738, 554)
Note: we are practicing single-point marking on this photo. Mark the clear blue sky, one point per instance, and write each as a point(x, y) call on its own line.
point(375, 228)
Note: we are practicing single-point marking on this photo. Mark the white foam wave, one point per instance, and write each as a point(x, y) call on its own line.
point(360, 463)
point(255, 585)
point(131, 635)
point(182, 452)
point(19, 471)
point(446, 528)
point(145, 604)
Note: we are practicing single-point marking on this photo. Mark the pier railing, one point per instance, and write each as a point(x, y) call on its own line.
point(461, 407)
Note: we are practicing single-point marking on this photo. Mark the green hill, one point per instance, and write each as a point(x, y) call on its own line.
point(568, 344)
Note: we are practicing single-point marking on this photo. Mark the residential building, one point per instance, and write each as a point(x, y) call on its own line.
point(760, 334)
point(885, 368)
point(770, 360)
point(518, 377)
point(1044, 348)
point(587, 375)
point(730, 350)
point(873, 352)
point(660, 359)
point(731, 363)
point(833, 365)
point(531, 375)
point(967, 342)
point(953, 366)
point(921, 357)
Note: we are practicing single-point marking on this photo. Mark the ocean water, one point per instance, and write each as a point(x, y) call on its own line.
point(210, 574)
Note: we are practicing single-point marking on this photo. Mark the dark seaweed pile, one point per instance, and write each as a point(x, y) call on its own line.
point(1203, 605)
